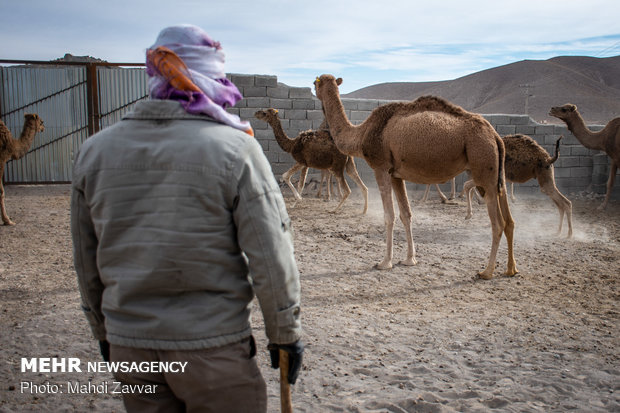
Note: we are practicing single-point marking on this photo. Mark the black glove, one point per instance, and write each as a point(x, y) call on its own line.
point(295, 356)
point(104, 346)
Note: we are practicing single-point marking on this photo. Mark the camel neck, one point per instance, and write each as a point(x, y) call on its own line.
point(283, 140)
point(342, 130)
point(25, 140)
point(589, 139)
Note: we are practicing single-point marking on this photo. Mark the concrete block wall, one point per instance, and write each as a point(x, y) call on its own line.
point(578, 169)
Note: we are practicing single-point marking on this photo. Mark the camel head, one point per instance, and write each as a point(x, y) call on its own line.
point(325, 82)
point(267, 115)
point(33, 118)
point(563, 112)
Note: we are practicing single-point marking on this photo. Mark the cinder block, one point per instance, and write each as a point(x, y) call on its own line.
point(318, 104)
point(568, 161)
point(520, 120)
point(259, 102)
point(545, 130)
point(247, 113)
point(350, 104)
point(551, 140)
point(578, 150)
point(303, 104)
point(242, 80)
point(233, 111)
point(295, 114)
point(265, 80)
point(264, 136)
point(279, 92)
point(300, 93)
point(257, 125)
point(504, 130)
point(526, 129)
point(254, 91)
point(359, 115)
point(562, 172)
point(263, 143)
point(580, 172)
point(498, 119)
point(280, 103)
point(315, 115)
point(367, 104)
point(301, 124)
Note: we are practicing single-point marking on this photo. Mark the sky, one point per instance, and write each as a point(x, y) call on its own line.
point(364, 42)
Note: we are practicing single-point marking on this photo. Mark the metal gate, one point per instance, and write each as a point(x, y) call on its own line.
point(74, 99)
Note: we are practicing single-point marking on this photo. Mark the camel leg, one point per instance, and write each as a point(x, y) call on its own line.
point(509, 231)
point(441, 195)
point(398, 185)
point(287, 178)
point(352, 172)
point(385, 189)
point(497, 227)
point(5, 218)
point(512, 192)
point(468, 187)
point(342, 183)
point(426, 191)
point(302, 180)
point(453, 189)
point(320, 191)
point(610, 184)
point(547, 187)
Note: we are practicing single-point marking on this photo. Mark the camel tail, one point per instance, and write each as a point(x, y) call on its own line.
point(557, 151)
point(502, 158)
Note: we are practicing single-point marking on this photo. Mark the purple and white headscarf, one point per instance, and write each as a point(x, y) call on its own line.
point(202, 67)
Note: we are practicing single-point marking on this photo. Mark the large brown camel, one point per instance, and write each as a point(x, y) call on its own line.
point(314, 149)
point(525, 160)
point(426, 141)
point(607, 139)
point(15, 149)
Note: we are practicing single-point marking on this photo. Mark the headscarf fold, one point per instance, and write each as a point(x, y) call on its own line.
point(185, 65)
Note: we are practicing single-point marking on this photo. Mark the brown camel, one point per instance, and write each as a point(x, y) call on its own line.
point(426, 141)
point(525, 160)
point(15, 149)
point(314, 149)
point(607, 140)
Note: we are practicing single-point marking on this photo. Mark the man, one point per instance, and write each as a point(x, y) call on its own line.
point(177, 221)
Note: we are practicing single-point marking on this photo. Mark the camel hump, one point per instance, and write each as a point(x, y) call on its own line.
point(438, 104)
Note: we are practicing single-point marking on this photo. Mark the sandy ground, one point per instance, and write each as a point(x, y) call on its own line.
point(429, 338)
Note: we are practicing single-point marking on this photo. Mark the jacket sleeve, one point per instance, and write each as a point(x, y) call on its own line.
point(85, 261)
point(265, 236)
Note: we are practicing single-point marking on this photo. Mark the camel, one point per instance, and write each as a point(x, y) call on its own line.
point(314, 149)
point(444, 199)
point(607, 140)
point(15, 149)
point(425, 141)
point(525, 160)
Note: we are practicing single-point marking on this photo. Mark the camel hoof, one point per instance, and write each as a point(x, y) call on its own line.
point(9, 222)
point(383, 266)
point(485, 276)
point(468, 216)
point(409, 262)
point(511, 273)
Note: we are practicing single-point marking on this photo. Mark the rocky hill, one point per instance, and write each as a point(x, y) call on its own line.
point(526, 87)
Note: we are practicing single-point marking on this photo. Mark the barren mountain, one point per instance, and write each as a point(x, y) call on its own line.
point(526, 87)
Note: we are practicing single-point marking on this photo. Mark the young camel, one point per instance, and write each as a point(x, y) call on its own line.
point(15, 149)
point(525, 160)
point(314, 149)
point(426, 141)
point(607, 140)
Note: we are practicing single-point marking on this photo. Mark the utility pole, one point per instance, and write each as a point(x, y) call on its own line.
point(527, 96)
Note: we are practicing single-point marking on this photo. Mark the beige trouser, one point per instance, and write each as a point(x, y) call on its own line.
point(223, 379)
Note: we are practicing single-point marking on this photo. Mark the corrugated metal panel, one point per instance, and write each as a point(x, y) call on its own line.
point(58, 94)
point(119, 90)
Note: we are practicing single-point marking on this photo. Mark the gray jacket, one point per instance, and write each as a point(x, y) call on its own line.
point(176, 222)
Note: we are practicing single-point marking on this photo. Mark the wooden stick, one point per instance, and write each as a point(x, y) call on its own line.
point(286, 404)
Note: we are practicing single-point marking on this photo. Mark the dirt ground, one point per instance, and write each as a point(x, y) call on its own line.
point(429, 338)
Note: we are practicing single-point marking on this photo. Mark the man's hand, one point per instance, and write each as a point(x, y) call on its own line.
point(295, 356)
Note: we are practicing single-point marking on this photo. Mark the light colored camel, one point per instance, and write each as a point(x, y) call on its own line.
point(426, 141)
point(525, 160)
point(15, 149)
point(607, 139)
point(314, 149)
point(444, 199)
